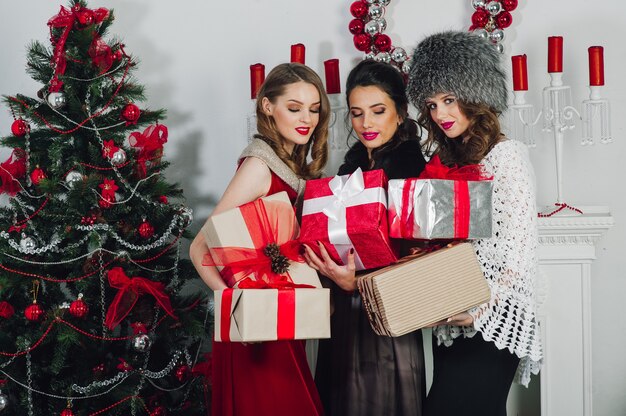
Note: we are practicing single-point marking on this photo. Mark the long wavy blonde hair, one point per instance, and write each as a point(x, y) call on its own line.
point(273, 87)
point(483, 134)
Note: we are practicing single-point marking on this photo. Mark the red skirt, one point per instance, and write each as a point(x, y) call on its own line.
point(267, 378)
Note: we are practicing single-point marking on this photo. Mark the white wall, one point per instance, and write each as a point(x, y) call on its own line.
point(195, 59)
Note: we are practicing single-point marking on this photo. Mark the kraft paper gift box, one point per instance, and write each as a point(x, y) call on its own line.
point(443, 203)
point(349, 212)
point(238, 236)
point(249, 315)
point(423, 289)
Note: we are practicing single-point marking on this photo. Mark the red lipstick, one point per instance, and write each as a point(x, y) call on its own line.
point(370, 135)
point(303, 130)
point(446, 125)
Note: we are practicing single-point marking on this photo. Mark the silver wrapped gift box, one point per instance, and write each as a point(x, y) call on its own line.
point(439, 209)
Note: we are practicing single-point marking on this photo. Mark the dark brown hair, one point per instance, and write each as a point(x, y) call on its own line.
point(273, 87)
point(483, 134)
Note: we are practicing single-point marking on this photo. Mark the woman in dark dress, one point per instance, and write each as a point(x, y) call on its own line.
point(358, 372)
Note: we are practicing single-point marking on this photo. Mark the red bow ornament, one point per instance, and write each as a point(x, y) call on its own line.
point(129, 290)
point(150, 145)
point(11, 170)
point(67, 19)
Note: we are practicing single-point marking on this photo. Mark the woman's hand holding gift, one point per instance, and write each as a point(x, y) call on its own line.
point(343, 276)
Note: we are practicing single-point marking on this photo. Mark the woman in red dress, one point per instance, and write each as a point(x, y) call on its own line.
point(271, 378)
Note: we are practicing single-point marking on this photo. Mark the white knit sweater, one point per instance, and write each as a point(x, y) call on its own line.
point(509, 262)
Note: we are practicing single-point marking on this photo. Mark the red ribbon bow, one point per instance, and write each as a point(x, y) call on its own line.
point(11, 170)
point(262, 218)
point(434, 169)
point(66, 19)
point(129, 291)
point(150, 144)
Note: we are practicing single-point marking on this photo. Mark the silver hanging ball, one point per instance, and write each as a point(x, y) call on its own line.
point(398, 55)
point(406, 67)
point(499, 47)
point(497, 35)
point(73, 178)
point(27, 244)
point(119, 157)
point(377, 12)
point(186, 214)
point(478, 4)
point(383, 24)
point(384, 2)
point(4, 401)
point(369, 56)
point(494, 7)
point(142, 342)
point(56, 100)
point(372, 27)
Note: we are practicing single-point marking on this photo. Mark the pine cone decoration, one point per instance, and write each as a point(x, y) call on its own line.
point(280, 263)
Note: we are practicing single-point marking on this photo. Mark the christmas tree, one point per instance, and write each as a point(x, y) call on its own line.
point(94, 315)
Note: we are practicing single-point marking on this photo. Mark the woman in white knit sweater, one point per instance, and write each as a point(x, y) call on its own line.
point(460, 89)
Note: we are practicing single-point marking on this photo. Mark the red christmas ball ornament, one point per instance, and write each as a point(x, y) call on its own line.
point(480, 18)
point(6, 310)
point(382, 42)
point(79, 308)
point(358, 9)
point(85, 17)
point(356, 26)
point(504, 20)
point(146, 230)
point(131, 113)
point(34, 312)
point(362, 42)
point(67, 412)
point(158, 411)
point(19, 127)
point(509, 5)
point(37, 175)
point(163, 199)
point(182, 373)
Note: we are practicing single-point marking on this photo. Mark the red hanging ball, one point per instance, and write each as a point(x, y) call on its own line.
point(131, 113)
point(19, 127)
point(158, 411)
point(480, 18)
point(67, 412)
point(382, 42)
point(358, 9)
point(182, 373)
point(85, 17)
point(509, 5)
point(37, 175)
point(163, 199)
point(146, 230)
point(362, 42)
point(356, 26)
point(79, 308)
point(34, 312)
point(6, 310)
point(504, 20)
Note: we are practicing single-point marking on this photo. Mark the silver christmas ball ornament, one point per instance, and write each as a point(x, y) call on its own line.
point(186, 214)
point(119, 157)
point(481, 32)
point(494, 7)
point(142, 342)
point(399, 55)
point(499, 47)
point(384, 2)
point(56, 100)
point(383, 24)
point(73, 178)
point(378, 12)
point(369, 55)
point(27, 244)
point(371, 1)
point(497, 35)
point(406, 67)
point(372, 27)
point(383, 57)
point(4, 401)
point(478, 4)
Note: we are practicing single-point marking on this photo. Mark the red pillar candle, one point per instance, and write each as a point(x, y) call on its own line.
point(331, 71)
point(555, 54)
point(596, 65)
point(297, 53)
point(520, 75)
point(257, 76)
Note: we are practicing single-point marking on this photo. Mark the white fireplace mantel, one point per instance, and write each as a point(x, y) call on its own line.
point(567, 247)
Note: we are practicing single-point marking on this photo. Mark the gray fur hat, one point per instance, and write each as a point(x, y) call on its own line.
point(460, 63)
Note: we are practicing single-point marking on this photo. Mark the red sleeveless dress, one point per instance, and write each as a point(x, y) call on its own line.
point(267, 378)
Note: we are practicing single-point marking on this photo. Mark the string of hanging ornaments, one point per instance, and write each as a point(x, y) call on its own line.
point(489, 20)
